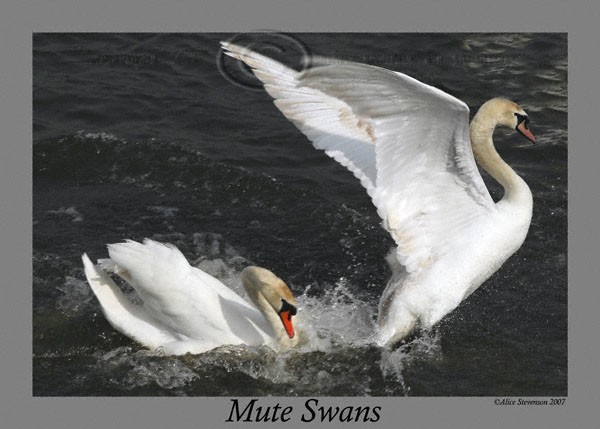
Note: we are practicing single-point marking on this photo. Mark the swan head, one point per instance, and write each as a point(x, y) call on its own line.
point(500, 111)
point(272, 295)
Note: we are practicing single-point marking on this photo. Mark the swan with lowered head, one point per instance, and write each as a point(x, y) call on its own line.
point(185, 310)
point(412, 148)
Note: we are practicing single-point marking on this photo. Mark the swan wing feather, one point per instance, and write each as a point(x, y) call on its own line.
point(122, 314)
point(185, 299)
point(327, 121)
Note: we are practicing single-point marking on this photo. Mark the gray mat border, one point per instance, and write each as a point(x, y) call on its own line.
point(17, 23)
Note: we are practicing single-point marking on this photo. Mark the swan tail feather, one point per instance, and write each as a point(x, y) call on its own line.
point(122, 314)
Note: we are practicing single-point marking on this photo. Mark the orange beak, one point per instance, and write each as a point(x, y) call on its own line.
point(522, 128)
point(286, 319)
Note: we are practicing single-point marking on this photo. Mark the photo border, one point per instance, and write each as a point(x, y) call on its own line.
point(19, 21)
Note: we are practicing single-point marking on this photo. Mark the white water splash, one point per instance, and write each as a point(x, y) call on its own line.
point(335, 317)
point(427, 345)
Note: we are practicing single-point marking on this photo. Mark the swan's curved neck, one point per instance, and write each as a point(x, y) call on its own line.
point(257, 292)
point(515, 189)
point(260, 302)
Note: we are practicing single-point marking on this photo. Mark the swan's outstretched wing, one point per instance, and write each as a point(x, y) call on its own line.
point(407, 142)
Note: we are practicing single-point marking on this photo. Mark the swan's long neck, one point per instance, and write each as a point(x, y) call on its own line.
point(516, 190)
point(262, 304)
point(261, 287)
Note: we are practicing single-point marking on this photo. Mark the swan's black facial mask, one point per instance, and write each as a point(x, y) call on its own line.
point(285, 314)
point(522, 127)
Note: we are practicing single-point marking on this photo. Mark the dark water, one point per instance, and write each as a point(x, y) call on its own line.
point(144, 136)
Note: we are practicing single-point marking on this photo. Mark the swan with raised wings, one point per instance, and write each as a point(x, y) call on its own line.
point(412, 148)
point(185, 310)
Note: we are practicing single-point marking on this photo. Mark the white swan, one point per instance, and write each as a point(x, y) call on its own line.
point(410, 146)
point(186, 310)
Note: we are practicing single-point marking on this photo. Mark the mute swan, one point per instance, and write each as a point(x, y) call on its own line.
point(186, 310)
point(411, 147)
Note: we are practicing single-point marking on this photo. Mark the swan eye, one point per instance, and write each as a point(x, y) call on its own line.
point(522, 122)
point(522, 118)
point(287, 307)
